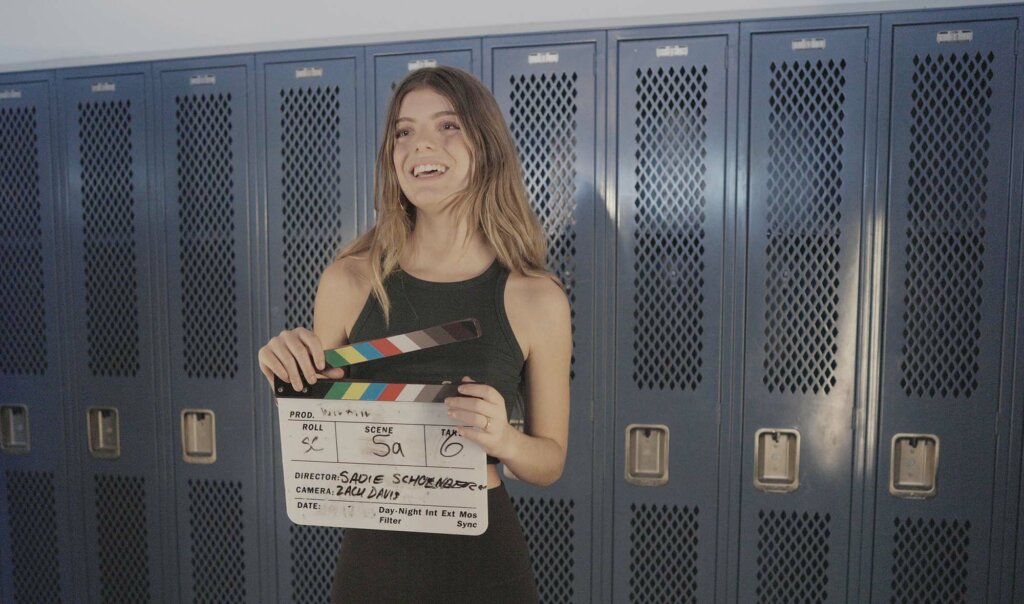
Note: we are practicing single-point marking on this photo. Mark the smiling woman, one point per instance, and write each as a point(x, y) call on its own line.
point(455, 238)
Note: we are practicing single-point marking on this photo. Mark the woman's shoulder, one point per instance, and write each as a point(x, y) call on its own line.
point(534, 288)
point(345, 283)
point(344, 288)
point(348, 274)
point(538, 310)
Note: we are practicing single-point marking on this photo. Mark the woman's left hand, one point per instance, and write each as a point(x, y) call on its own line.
point(481, 410)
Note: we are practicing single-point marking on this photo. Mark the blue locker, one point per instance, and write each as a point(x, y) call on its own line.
point(550, 89)
point(314, 134)
point(36, 549)
point(1017, 586)
point(206, 113)
point(112, 320)
point(390, 63)
point(946, 360)
point(674, 129)
point(806, 109)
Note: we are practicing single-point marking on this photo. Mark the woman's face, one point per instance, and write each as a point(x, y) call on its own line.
point(432, 157)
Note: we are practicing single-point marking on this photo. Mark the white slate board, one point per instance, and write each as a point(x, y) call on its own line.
point(397, 466)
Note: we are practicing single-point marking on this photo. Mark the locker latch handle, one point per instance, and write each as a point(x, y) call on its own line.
point(198, 436)
point(915, 464)
point(647, 455)
point(104, 432)
point(777, 460)
point(14, 432)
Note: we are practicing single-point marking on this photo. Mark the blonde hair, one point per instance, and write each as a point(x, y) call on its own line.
point(495, 198)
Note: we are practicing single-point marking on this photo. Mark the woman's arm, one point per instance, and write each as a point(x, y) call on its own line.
point(543, 316)
point(339, 298)
point(300, 352)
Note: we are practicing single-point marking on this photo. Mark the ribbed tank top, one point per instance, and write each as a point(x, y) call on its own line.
point(495, 358)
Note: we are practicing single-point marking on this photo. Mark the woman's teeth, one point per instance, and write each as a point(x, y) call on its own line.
point(429, 169)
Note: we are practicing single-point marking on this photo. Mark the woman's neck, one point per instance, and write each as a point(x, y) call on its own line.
point(440, 249)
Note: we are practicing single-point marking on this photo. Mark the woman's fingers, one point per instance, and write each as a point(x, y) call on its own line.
point(290, 373)
point(470, 418)
point(271, 365)
point(294, 355)
point(313, 345)
point(297, 347)
point(482, 414)
point(292, 369)
point(473, 405)
point(267, 373)
point(333, 373)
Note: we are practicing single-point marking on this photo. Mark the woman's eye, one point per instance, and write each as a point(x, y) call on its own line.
point(401, 132)
point(450, 126)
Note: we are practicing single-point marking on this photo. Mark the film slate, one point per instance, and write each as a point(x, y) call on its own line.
point(381, 456)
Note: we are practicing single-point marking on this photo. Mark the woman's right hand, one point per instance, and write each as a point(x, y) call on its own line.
point(292, 354)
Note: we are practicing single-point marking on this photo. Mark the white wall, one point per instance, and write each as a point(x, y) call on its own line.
point(37, 34)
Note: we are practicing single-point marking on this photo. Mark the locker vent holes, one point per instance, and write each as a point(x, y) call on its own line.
point(314, 554)
point(793, 556)
point(206, 205)
point(669, 266)
point(108, 229)
point(216, 534)
point(311, 151)
point(550, 528)
point(945, 237)
point(929, 560)
point(663, 548)
point(803, 216)
point(123, 538)
point(22, 296)
point(33, 536)
point(543, 125)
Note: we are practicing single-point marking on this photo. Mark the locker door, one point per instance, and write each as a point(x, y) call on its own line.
point(35, 546)
point(389, 64)
point(672, 122)
point(806, 124)
point(113, 319)
point(548, 90)
point(313, 193)
point(942, 360)
point(204, 110)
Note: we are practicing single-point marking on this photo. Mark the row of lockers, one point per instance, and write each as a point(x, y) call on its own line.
point(792, 250)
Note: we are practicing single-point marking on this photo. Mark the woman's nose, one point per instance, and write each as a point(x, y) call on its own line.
point(423, 140)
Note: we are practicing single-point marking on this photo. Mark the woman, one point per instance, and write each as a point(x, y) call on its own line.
point(455, 238)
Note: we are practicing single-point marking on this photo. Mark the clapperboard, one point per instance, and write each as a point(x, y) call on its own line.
point(381, 455)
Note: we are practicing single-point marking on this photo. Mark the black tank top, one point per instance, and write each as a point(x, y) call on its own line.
point(494, 359)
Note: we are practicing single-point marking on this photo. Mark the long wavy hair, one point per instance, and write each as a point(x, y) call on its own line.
point(495, 198)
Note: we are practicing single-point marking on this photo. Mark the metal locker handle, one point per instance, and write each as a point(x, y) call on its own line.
point(104, 431)
point(915, 464)
point(14, 429)
point(647, 454)
point(198, 436)
point(777, 460)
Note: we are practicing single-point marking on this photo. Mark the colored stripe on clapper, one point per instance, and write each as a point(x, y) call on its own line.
point(360, 352)
point(375, 391)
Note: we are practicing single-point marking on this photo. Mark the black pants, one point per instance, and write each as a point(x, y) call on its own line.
point(392, 566)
